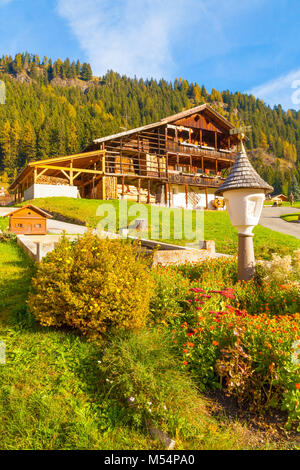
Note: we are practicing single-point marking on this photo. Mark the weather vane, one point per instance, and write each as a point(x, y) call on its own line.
point(240, 132)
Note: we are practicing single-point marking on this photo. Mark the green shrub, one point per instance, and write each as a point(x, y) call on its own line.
point(252, 356)
point(141, 372)
point(92, 285)
point(169, 299)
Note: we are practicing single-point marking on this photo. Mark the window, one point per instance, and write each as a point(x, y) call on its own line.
point(19, 225)
point(38, 226)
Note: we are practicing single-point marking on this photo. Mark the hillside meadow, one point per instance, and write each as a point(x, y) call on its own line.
point(217, 225)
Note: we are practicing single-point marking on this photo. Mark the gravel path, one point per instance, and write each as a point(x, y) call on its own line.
point(55, 226)
point(270, 218)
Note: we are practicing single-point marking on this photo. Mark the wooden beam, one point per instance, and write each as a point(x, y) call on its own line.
point(77, 174)
point(103, 188)
point(95, 153)
point(149, 192)
point(66, 175)
point(66, 169)
point(123, 186)
point(139, 190)
point(186, 195)
point(39, 174)
point(71, 173)
point(206, 195)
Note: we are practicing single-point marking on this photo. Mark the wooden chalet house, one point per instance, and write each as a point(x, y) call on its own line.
point(179, 161)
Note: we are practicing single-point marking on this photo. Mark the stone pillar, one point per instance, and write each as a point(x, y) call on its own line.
point(246, 259)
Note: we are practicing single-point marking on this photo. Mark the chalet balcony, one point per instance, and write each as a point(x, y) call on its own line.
point(175, 177)
point(199, 150)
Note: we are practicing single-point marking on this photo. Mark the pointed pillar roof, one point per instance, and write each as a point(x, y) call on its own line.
point(243, 175)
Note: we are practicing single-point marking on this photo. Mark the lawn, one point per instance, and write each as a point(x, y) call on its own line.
point(217, 225)
point(50, 387)
point(284, 204)
point(291, 217)
point(4, 223)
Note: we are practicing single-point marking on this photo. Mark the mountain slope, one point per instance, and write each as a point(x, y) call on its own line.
point(58, 108)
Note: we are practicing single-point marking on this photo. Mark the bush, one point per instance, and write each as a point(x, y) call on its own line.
point(169, 299)
point(142, 374)
point(252, 356)
point(92, 285)
point(282, 270)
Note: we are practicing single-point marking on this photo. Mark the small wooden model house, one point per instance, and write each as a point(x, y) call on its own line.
point(29, 220)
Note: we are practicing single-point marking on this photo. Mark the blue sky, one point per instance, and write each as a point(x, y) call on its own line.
point(246, 45)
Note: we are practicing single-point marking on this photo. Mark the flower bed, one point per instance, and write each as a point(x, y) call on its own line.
point(244, 338)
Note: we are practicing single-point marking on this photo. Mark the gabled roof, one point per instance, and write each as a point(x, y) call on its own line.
point(168, 120)
point(243, 175)
point(33, 208)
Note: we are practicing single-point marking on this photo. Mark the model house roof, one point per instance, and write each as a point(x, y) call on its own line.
point(243, 175)
point(33, 208)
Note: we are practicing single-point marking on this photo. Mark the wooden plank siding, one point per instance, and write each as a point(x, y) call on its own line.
point(193, 150)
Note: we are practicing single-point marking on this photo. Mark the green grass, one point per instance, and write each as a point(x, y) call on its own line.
point(284, 204)
point(216, 223)
point(4, 223)
point(290, 217)
point(49, 387)
point(52, 394)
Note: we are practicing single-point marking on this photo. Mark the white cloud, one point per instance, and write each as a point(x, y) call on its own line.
point(140, 37)
point(284, 90)
point(5, 2)
point(129, 36)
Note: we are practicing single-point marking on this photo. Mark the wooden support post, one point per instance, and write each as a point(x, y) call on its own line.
point(216, 167)
point(206, 196)
point(167, 155)
point(103, 181)
point(202, 166)
point(34, 175)
point(123, 186)
point(229, 146)
point(170, 201)
point(139, 190)
point(216, 140)
point(186, 195)
point(139, 155)
point(149, 192)
point(201, 137)
point(71, 173)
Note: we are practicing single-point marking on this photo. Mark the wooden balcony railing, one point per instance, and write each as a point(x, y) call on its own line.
point(194, 180)
point(189, 149)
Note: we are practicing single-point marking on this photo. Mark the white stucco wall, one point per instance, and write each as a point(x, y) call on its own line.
point(48, 190)
point(179, 197)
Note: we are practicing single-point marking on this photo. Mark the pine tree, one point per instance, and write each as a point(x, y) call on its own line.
point(295, 188)
point(86, 73)
point(263, 140)
point(28, 144)
point(6, 148)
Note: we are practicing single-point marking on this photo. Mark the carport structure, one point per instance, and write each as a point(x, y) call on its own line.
point(79, 170)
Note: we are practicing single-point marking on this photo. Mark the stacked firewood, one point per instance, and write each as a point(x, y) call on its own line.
point(53, 180)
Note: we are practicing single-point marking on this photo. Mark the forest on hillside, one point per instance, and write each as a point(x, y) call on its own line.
point(57, 108)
